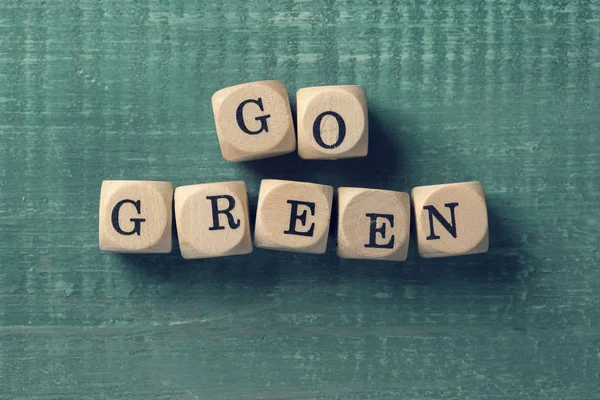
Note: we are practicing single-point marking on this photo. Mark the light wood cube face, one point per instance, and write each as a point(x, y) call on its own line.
point(213, 220)
point(136, 216)
point(373, 224)
point(332, 122)
point(293, 216)
point(451, 219)
point(254, 120)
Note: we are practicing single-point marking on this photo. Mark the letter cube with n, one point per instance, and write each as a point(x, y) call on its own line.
point(212, 220)
point(332, 122)
point(293, 216)
point(451, 219)
point(373, 224)
point(254, 120)
point(136, 216)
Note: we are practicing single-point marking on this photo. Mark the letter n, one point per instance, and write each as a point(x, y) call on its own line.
point(449, 226)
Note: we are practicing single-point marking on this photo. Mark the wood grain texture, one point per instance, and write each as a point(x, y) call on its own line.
point(253, 120)
point(373, 224)
point(293, 216)
point(135, 216)
point(332, 122)
point(212, 220)
point(505, 93)
point(450, 219)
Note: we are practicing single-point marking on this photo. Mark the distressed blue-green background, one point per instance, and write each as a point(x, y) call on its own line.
point(504, 92)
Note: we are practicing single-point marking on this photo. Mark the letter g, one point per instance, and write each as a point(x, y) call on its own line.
point(239, 116)
point(137, 222)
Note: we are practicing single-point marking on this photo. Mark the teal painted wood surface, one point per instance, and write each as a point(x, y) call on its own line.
point(507, 93)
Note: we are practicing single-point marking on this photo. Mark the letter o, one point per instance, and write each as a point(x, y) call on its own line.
point(317, 129)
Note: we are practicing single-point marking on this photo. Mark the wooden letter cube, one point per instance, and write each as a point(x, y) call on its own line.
point(254, 120)
point(212, 219)
point(373, 224)
point(293, 216)
point(451, 219)
point(136, 216)
point(332, 122)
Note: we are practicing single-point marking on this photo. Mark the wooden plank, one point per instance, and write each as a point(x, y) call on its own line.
point(503, 93)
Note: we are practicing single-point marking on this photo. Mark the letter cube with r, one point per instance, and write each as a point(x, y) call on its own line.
point(212, 219)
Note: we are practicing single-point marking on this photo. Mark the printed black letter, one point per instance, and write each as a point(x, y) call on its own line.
point(375, 230)
point(450, 227)
point(294, 216)
point(215, 212)
point(239, 115)
point(317, 130)
point(137, 222)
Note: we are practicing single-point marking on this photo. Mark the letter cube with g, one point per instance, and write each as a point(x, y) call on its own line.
point(212, 219)
point(293, 216)
point(373, 224)
point(136, 216)
point(332, 122)
point(451, 219)
point(254, 120)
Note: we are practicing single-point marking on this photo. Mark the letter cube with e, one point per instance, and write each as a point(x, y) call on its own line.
point(212, 219)
point(332, 122)
point(451, 219)
point(373, 224)
point(293, 216)
point(254, 120)
point(136, 216)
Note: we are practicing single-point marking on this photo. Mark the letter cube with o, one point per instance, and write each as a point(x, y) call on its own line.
point(332, 122)
point(373, 224)
point(451, 219)
point(136, 216)
point(254, 120)
point(213, 220)
point(293, 216)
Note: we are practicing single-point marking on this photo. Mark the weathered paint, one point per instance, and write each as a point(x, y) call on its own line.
point(507, 93)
